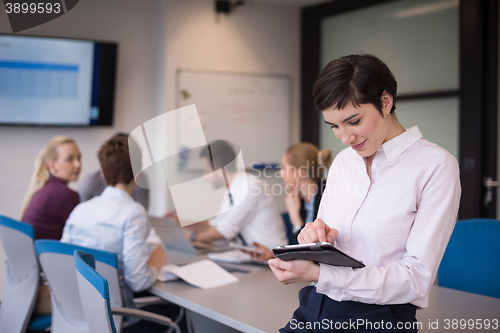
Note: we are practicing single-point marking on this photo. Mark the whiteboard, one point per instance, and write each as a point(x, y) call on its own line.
point(250, 110)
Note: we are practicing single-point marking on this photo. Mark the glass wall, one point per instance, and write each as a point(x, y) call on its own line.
point(419, 41)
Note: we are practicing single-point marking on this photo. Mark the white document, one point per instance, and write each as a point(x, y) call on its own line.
point(203, 274)
point(165, 274)
point(234, 257)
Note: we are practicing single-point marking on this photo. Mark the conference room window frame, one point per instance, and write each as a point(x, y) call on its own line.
point(478, 90)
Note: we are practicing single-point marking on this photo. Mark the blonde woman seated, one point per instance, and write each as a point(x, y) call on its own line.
point(49, 200)
point(303, 168)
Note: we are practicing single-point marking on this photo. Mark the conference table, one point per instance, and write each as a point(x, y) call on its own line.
point(257, 302)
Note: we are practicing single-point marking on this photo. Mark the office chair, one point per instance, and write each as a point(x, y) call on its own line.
point(94, 294)
point(471, 260)
point(23, 279)
point(58, 263)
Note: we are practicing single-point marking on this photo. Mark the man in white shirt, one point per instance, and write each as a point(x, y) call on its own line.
point(114, 222)
point(254, 219)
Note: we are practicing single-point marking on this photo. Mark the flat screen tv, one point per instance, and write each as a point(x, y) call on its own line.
point(56, 81)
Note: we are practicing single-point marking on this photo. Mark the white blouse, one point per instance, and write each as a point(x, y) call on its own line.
point(254, 216)
point(398, 222)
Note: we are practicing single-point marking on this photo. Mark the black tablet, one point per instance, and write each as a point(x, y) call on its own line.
point(324, 253)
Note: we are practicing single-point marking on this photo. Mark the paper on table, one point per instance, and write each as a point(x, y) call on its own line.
point(203, 274)
point(234, 256)
point(165, 274)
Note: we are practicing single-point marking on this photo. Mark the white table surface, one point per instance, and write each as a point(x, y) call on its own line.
point(256, 303)
point(447, 304)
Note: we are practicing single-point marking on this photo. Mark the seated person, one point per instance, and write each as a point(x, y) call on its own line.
point(114, 222)
point(49, 200)
point(94, 184)
point(255, 219)
point(303, 167)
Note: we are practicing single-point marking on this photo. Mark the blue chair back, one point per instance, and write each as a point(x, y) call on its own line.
point(58, 263)
point(94, 294)
point(289, 229)
point(23, 277)
point(471, 260)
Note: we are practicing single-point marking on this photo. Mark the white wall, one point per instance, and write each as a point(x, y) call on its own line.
point(155, 38)
point(256, 38)
point(138, 29)
point(260, 38)
point(139, 91)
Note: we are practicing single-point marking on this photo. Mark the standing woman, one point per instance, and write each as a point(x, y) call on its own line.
point(49, 200)
point(391, 200)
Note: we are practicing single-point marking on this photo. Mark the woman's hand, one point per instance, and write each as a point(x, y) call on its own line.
point(318, 231)
point(294, 270)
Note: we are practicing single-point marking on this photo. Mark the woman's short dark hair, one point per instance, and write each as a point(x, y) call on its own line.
point(356, 79)
point(114, 158)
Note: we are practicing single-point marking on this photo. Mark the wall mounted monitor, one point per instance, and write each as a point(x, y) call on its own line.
point(56, 81)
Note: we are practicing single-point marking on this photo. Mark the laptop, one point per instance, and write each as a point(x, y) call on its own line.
point(173, 237)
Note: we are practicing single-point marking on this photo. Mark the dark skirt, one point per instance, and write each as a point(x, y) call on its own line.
point(319, 313)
